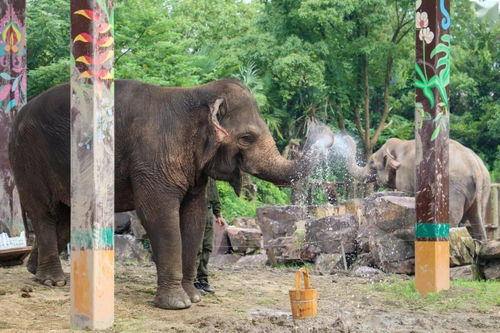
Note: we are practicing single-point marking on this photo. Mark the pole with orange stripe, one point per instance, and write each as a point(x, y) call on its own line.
point(92, 164)
point(432, 272)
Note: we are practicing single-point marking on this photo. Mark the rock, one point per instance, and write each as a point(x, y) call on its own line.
point(467, 272)
point(328, 234)
point(326, 263)
point(492, 270)
point(127, 247)
point(365, 271)
point(285, 249)
point(462, 247)
point(224, 260)
point(136, 226)
point(246, 222)
point(244, 241)
point(256, 261)
point(279, 221)
point(364, 259)
point(326, 210)
point(122, 223)
point(221, 243)
point(388, 225)
point(490, 250)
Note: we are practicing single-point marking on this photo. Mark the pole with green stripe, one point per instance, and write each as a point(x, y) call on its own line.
point(432, 77)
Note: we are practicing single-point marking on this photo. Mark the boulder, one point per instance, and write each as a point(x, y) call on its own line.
point(220, 243)
point(462, 247)
point(326, 210)
point(128, 248)
point(224, 260)
point(467, 272)
point(388, 228)
point(122, 223)
point(328, 235)
point(285, 249)
point(136, 226)
point(365, 272)
point(490, 250)
point(327, 263)
point(491, 271)
point(279, 221)
point(252, 261)
point(489, 260)
point(244, 241)
point(246, 222)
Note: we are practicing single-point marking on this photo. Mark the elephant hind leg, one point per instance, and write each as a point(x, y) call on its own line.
point(44, 261)
point(476, 219)
point(63, 237)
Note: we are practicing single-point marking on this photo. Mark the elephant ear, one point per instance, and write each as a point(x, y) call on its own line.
point(392, 162)
point(216, 133)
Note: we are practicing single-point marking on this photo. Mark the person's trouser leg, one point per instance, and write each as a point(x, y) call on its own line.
point(205, 249)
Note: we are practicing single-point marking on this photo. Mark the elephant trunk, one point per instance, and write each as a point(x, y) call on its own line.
point(265, 161)
point(361, 174)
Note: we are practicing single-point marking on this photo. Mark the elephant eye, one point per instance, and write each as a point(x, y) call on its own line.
point(385, 161)
point(246, 139)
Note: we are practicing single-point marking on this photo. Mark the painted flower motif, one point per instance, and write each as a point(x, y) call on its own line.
point(418, 3)
point(426, 34)
point(422, 20)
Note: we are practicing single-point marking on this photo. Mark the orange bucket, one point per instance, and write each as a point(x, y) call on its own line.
point(304, 301)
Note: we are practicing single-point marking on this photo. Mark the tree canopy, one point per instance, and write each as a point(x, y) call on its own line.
point(347, 63)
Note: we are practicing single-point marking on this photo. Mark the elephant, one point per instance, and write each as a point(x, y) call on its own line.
point(393, 166)
point(168, 141)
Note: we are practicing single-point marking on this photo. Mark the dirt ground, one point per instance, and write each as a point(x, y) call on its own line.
point(247, 300)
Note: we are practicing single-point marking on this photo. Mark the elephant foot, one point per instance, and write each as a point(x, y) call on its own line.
point(32, 264)
point(172, 299)
point(51, 278)
point(193, 293)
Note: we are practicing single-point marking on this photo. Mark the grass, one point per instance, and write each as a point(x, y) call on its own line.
point(463, 295)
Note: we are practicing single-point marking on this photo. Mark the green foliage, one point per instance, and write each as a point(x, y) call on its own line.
point(300, 59)
point(267, 194)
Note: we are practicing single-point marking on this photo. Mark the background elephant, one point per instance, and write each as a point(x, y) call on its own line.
point(167, 142)
point(393, 166)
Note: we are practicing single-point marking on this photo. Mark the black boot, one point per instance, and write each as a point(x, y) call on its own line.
point(206, 287)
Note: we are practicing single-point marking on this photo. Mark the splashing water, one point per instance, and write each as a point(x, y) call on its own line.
point(330, 168)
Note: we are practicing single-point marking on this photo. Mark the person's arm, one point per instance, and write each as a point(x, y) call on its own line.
point(214, 198)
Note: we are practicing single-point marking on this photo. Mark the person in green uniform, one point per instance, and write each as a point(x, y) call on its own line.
point(214, 210)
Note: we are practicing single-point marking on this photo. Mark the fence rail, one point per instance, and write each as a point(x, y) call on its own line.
point(492, 214)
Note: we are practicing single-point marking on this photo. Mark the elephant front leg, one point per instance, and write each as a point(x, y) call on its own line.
point(193, 218)
point(160, 216)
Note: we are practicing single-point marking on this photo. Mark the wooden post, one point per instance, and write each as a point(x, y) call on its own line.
point(432, 271)
point(493, 213)
point(92, 164)
point(12, 98)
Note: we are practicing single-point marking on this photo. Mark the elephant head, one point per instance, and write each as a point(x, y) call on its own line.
point(381, 167)
point(242, 142)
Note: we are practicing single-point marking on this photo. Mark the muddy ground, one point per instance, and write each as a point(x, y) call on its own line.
point(252, 300)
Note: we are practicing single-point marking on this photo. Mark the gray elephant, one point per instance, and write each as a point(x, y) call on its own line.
point(168, 141)
point(393, 166)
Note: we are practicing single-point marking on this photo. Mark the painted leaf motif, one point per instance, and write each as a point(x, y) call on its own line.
point(435, 133)
point(6, 76)
point(16, 83)
point(11, 105)
point(83, 37)
point(4, 92)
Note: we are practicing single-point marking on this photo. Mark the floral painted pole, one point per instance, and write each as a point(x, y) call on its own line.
point(12, 98)
point(432, 272)
point(92, 164)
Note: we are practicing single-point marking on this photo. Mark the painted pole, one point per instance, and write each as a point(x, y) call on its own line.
point(432, 269)
point(12, 98)
point(92, 164)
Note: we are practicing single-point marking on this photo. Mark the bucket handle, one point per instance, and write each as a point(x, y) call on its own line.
point(302, 272)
